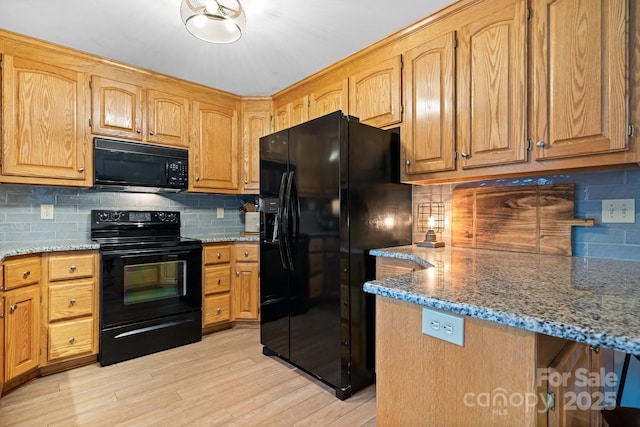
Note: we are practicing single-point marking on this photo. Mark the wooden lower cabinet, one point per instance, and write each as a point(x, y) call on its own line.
point(498, 378)
point(216, 298)
point(1, 341)
point(245, 288)
point(22, 326)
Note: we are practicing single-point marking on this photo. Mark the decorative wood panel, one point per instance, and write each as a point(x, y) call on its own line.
point(580, 61)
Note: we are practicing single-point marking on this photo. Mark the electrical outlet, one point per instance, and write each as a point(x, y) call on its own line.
point(619, 211)
point(220, 213)
point(46, 211)
point(444, 326)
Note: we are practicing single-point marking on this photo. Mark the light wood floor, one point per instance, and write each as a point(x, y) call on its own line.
point(224, 380)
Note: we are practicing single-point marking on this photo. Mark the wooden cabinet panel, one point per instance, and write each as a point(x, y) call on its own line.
point(117, 109)
point(43, 124)
point(22, 317)
point(70, 339)
point(73, 266)
point(214, 154)
point(328, 99)
point(245, 291)
point(256, 123)
point(491, 88)
point(428, 134)
point(21, 271)
point(375, 92)
point(292, 113)
point(71, 300)
point(2, 352)
point(217, 279)
point(246, 252)
point(217, 254)
point(216, 308)
point(168, 118)
point(579, 63)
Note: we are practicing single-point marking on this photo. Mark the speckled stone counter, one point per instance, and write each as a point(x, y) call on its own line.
point(8, 249)
point(228, 238)
point(589, 300)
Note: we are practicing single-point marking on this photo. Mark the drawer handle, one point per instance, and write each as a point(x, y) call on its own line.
point(73, 268)
point(219, 310)
point(246, 254)
point(219, 255)
point(13, 308)
point(72, 340)
point(72, 301)
point(26, 274)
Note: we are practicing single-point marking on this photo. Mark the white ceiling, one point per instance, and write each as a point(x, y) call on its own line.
point(284, 42)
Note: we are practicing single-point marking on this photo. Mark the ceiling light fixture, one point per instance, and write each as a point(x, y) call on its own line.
point(215, 21)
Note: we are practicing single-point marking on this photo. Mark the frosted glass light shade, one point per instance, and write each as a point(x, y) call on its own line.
point(214, 21)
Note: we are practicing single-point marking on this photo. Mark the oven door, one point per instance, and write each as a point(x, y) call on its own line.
point(146, 284)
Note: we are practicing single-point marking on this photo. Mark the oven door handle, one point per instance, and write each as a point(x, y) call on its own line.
point(138, 252)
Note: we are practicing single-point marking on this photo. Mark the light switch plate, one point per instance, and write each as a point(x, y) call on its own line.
point(444, 326)
point(46, 211)
point(619, 211)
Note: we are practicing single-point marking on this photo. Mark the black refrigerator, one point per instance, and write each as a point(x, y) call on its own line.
point(329, 193)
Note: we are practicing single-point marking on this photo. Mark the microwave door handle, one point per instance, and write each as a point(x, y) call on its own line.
point(280, 232)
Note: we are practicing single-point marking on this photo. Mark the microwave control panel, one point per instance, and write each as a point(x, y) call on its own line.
point(177, 174)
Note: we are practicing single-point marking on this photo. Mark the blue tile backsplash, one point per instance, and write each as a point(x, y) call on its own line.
point(20, 211)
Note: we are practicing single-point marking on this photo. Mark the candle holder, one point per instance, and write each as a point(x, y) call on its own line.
point(431, 220)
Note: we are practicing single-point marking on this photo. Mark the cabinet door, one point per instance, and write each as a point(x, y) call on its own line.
point(328, 99)
point(375, 93)
point(491, 88)
point(245, 291)
point(116, 109)
point(256, 123)
point(22, 317)
point(428, 135)
point(168, 119)
point(2, 316)
point(579, 64)
point(214, 156)
point(299, 111)
point(43, 124)
point(281, 118)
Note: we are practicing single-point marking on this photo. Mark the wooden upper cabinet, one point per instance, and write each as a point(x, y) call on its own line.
point(492, 86)
point(43, 124)
point(129, 111)
point(579, 64)
point(281, 118)
point(117, 109)
point(375, 92)
point(292, 113)
point(256, 123)
point(428, 129)
point(168, 118)
point(329, 98)
point(214, 153)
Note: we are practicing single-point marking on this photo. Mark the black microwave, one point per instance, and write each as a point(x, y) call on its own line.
point(131, 166)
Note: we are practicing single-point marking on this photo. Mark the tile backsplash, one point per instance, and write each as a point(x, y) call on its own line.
point(617, 241)
point(20, 211)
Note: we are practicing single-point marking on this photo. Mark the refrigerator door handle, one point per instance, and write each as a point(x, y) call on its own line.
point(295, 211)
point(290, 218)
point(281, 216)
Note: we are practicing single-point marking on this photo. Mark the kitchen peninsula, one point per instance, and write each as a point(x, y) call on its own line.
point(524, 315)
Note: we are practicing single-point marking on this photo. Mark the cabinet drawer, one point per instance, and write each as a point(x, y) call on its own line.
point(71, 300)
point(217, 279)
point(70, 339)
point(21, 271)
point(216, 309)
point(71, 267)
point(216, 254)
point(246, 253)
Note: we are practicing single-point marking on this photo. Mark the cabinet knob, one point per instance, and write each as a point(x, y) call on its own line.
point(72, 301)
point(73, 268)
point(540, 144)
point(26, 274)
point(1, 315)
point(246, 182)
point(197, 178)
point(407, 163)
point(151, 133)
point(13, 308)
point(72, 340)
point(594, 348)
point(219, 281)
point(80, 169)
point(465, 155)
point(237, 274)
point(219, 310)
point(219, 255)
point(138, 130)
point(246, 254)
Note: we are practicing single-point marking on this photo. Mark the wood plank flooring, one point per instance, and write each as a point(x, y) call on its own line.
point(224, 380)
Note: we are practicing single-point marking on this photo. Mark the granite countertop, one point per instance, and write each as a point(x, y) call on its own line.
point(8, 249)
point(589, 300)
